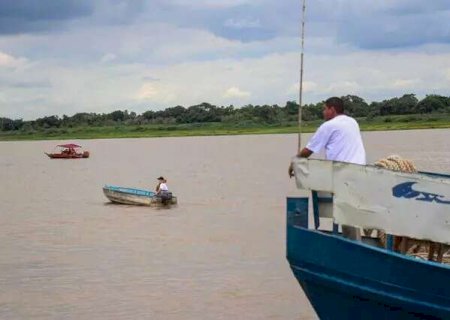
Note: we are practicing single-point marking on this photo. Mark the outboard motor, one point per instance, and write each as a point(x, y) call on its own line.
point(165, 196)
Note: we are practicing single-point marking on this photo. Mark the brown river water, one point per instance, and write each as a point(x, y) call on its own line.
point(66, 253)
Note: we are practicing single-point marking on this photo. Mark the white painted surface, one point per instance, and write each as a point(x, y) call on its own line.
point(363, 196)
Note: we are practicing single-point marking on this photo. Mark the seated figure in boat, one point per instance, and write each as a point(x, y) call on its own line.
point(340, 136)
point(162, 190)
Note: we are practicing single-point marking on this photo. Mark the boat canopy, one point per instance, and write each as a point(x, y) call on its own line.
point(69, 145)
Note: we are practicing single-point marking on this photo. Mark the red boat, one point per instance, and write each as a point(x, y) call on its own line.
point(68, 151)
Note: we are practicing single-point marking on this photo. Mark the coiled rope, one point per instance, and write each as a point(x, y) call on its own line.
point(396, 163)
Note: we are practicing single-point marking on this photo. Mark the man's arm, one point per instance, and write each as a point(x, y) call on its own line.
point(317, 142)
point(304, 153)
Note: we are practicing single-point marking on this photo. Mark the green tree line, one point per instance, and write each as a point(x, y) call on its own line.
point(249, 114)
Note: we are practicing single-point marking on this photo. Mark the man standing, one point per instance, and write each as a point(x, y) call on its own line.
point(339, 135)
point(341, 138)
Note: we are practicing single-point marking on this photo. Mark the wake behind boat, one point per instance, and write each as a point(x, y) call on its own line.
point(139, 197)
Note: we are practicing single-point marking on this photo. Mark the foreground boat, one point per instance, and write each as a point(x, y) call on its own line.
point(68, 151)
point(348, 279)
point(137, 197)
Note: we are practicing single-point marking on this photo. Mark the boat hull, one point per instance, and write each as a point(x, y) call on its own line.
point(83, 155)
point(345, 279)
point(135, 197)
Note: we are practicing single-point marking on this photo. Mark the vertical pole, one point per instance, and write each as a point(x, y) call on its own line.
point(301, 79)
point(315, 202)
point(389, 242)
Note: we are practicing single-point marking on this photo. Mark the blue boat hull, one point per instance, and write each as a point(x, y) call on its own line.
point(132, 196)
point(345, 279)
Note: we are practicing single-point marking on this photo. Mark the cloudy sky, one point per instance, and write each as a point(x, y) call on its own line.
point(68, 56)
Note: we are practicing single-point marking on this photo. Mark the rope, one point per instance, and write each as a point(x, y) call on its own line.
point(396, 163)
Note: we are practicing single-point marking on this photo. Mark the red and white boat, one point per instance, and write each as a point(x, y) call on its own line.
point(68, 151)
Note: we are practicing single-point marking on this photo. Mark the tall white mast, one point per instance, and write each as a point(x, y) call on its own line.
point(301, 78)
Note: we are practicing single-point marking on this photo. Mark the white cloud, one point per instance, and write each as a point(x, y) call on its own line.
point(211, 3)
point(405, 83)
point(256, 80)
point(242, 23)
point(447, 74)
point(147, 91)
point(308, 86)
point(9, 61)
point(148, 64)
point(108, 58)
point(235, 92)
point(176, 44)
point(341, 87)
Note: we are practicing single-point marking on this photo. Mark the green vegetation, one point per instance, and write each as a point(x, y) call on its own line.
point(209, 129)
point(205, 119)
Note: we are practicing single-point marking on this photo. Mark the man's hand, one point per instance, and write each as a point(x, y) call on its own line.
point(291, 170)
point(304, 153)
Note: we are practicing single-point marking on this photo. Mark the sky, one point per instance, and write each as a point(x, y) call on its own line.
point(69, 56)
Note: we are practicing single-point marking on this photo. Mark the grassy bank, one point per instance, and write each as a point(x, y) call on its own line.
point(405, 122)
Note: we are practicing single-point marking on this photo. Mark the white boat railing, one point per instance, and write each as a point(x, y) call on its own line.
point(415, 205)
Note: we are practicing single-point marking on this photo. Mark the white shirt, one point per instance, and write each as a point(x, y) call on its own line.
point(163, 187)
point(341, 139)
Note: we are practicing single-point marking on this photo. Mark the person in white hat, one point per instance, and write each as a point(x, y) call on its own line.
point(162, 190)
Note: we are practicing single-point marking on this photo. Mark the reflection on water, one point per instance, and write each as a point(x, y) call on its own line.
point(66, 253)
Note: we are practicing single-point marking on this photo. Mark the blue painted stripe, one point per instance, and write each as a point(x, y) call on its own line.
point(132, 191)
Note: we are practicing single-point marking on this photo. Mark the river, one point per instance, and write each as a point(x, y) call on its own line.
point(66, 253)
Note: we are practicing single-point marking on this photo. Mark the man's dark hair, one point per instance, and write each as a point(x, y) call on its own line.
point(336, 103)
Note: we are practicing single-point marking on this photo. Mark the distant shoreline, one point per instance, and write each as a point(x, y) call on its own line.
point(387, 123)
